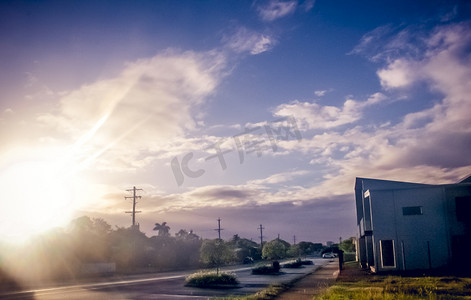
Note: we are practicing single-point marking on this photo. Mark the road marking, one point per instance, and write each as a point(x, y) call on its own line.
point(91, 285)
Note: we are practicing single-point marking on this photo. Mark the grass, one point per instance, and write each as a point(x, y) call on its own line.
point(353, 284)
point(269, 293)
point(211, 279)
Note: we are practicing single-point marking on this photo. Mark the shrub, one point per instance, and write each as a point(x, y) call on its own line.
point(293, 265)
point(211, 279)
point(267, 270)
point(349, 256)
point(297, 264)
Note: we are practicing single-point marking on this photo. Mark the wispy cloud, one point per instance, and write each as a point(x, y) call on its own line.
point(419, 144)
point(149, 102)
point(315, 116)
point(307, 5)
point(245, 40)
point(321, 93)
point(433, 141)
point(279, 178)
point(275, 9)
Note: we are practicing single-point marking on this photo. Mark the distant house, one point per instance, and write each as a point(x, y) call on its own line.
point(410, 226)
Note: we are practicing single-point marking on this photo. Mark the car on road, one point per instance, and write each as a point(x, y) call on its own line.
point(329, 255)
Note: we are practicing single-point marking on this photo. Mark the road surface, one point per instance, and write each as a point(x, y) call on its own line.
point(169, 285)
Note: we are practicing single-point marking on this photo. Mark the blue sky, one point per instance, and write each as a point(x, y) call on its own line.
point(100, 96)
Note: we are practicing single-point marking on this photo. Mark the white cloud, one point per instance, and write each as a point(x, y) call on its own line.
point(277, 9)
point(429, 146)
point(278, 178)
point(400, 73)
point(314, 116)
point(433, 141)
point(245, 40)
point(320, 93)
point(149, 102)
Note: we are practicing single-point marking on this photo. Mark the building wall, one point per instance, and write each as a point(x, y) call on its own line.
point(418, 240)
point(425, 237)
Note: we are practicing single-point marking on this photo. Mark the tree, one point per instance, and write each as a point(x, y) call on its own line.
point(163, 229)
point(294, 251)
point(348, 245)
point(129, 247)
point(101, 227)
point(245, 250)
point(185, 235)
point(90, 239)
point(275, 249)
point(215, 253)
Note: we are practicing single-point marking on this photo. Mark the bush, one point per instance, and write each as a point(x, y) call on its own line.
point(297, 264)
point(211, 279)
point(267, 270)
point(349, 256)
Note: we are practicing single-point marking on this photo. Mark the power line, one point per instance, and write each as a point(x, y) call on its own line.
point(134, 202)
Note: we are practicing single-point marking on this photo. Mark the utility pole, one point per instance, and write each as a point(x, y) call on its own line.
point(278, 236)
point(219, 228)
point(261, 235)
point(294, 239)
point(133, 197)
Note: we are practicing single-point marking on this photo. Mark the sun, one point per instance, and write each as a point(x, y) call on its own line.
point(35, 196)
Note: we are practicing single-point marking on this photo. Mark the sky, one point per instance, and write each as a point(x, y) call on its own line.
point(255, 112)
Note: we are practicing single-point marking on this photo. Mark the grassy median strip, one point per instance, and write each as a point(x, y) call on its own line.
point(368, 286)
point(269, 293)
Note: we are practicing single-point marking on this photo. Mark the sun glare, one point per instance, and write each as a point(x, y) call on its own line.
point(36, 197)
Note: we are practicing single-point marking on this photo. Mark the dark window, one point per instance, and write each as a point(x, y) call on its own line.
point(463, 208)
point(387, 253)
point(411, 210)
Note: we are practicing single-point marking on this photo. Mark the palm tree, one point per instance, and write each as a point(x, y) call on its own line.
point(163, 229)
point(182, 234)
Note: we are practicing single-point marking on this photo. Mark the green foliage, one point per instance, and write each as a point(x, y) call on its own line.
point(276, 249)
point(293, 251)
point(307, 248)
point(297, 264)
point(348, 245)
point(89, 239)
point(211, 279)
point(375, 287)
point(269, 293)
point(163, 229)
point(216, 253)
point(274, 268)
point(349, 257)
point(245, 250)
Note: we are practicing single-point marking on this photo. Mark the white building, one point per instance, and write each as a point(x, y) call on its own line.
point(407, 226)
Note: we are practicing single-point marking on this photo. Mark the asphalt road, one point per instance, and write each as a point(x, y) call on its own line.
point(169, 285)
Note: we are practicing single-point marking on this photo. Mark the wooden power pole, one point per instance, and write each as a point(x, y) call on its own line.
point(134, 202)
point(261, 235)
point(219, 228)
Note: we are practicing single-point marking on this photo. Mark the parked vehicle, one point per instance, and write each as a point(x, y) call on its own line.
point(329, 255)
